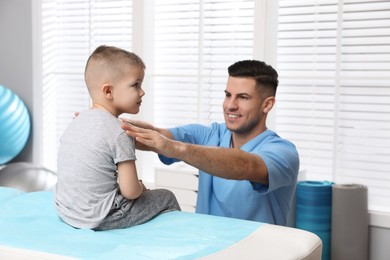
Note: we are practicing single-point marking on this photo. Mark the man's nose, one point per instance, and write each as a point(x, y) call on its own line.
point(232, 104)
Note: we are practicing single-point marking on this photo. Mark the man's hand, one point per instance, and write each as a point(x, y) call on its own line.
point(138, 123)
point(151, 140)
point(147, 137)
point(129, 128)
point(76, 114)
point(128, 123)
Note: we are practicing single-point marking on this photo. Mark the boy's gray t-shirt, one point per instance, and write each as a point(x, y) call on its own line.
point(90, 148)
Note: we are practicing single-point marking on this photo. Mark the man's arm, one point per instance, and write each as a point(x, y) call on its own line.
point(227, 163)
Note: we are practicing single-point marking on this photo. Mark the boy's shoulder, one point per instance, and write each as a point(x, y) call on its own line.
point(98, 117)
point(94, 122)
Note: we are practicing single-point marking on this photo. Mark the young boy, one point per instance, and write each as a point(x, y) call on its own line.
point(98, 186)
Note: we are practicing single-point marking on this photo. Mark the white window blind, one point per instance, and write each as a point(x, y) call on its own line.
point(71, 30)
point(195, 42)
point(334, 94)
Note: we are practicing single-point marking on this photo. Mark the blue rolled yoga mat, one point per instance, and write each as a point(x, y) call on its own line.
point(314, 211)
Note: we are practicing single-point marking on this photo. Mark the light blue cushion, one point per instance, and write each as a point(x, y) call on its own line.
point(29, 221)
point(7, 193)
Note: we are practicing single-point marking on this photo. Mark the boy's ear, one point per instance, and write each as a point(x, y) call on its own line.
point(107, 90)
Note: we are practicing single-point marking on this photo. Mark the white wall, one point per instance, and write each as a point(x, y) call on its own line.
point(16, 72)
point(379, 243)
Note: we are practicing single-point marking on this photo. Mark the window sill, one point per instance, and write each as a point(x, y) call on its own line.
point(379, 219)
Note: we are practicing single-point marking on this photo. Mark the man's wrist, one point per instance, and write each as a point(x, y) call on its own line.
point(180, 150)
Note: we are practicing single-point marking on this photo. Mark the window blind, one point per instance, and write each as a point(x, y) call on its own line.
point(71, 30)
point(332, 56)
point(195, 42)
point(333, 101)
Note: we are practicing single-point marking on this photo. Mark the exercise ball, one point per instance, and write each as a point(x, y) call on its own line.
point(14, 125)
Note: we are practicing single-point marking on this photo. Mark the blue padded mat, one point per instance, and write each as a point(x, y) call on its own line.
point(7, 193)
point(28, 221)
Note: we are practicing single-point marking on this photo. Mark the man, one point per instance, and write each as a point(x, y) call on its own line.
point(246, 171)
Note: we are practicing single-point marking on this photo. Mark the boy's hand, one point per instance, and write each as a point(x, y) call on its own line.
point(143, 186)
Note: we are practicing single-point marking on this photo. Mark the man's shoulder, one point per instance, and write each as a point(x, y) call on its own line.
point(274, 140)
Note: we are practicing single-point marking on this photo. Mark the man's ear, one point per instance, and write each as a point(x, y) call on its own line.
point(268, 104)
point(107, 90)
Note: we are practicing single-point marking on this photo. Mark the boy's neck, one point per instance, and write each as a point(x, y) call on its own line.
point(102, 107)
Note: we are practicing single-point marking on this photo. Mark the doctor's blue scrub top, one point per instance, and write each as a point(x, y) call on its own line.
point(243, 199)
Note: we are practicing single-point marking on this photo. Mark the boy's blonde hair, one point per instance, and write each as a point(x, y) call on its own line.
point(107, 64)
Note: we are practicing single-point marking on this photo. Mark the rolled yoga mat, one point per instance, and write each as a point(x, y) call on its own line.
point(314, 211)
point(349, 222)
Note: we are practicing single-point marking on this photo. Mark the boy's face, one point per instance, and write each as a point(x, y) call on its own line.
point(128, 92)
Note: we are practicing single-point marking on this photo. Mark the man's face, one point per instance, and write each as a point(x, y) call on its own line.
point(243, 107)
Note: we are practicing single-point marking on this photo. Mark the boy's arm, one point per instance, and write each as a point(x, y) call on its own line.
point(129, 185)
